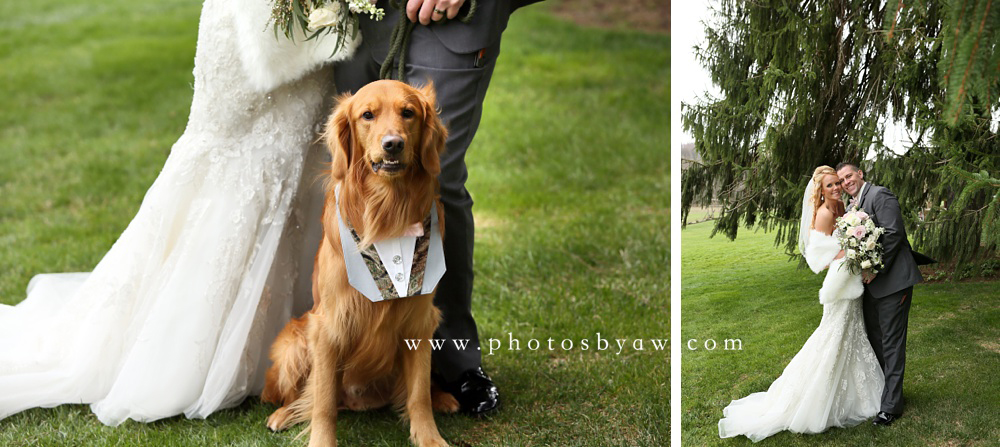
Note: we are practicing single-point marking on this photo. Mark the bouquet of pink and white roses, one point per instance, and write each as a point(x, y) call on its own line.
point(858, 236)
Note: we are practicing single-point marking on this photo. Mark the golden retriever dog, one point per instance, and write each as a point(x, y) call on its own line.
point(349, 352)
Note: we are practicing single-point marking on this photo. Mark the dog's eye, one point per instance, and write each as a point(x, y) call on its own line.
point(368, 116)
point(408, 113)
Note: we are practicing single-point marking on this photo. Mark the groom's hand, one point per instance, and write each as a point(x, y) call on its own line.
point(426, 11)
point(867, 276)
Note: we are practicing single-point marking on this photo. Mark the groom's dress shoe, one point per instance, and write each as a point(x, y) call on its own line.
point(474, 390)
point(885, 419)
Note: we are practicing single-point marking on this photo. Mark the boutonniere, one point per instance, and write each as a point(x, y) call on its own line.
point(852, 204)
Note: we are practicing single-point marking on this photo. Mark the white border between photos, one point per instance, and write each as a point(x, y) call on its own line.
point(675, 260)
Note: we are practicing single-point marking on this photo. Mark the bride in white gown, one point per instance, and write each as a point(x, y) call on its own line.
point(178, 315)
point(835, 379)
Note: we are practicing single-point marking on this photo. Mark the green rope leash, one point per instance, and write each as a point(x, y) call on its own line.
point(399, 41)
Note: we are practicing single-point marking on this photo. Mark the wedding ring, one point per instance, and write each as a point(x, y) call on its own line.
point(438, 11)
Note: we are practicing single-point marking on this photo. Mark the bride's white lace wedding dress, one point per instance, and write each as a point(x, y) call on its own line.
point(834, 380)
point(179, 314)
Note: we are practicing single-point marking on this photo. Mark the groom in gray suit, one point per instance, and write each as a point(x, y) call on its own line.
point(889, 293)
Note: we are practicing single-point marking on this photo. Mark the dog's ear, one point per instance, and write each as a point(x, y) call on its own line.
point(434, 134)
point(339, 137)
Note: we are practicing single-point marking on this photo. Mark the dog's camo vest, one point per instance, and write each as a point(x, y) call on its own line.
point(386, 276)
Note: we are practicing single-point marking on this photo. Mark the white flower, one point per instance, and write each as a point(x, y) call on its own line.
point(366, 7)
point(853, 219)
point(358, 6)
point(326, 15)
point(870, 245)
point(851, 254)
point(866, 264)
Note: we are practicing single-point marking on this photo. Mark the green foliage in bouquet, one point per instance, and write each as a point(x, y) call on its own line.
point(320, 17)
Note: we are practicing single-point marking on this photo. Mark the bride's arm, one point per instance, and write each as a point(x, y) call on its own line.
point(825, 223)
point(822, 249)
point(270, 59)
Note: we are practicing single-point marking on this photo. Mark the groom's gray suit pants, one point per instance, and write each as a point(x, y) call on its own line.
point(885, 324)
point(461, 81)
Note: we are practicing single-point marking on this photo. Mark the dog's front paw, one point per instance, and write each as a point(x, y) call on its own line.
point(427, 438)
point(318, 441)
point(434, 440)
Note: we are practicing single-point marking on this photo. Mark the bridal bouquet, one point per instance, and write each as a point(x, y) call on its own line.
point(318, 17)
point(858, 236)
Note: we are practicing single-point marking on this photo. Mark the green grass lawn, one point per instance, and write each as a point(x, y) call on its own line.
point(569, 172)
point(748, 290)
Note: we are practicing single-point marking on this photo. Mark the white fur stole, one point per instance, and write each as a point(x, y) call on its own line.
point(271, 60)
point(840, 283)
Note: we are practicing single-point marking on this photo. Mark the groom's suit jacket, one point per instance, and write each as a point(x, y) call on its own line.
point(900, 269)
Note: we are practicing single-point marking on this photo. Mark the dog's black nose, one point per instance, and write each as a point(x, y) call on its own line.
point(392, 144)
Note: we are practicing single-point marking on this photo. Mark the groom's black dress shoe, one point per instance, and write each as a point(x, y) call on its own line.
point(885, 419)
point(474, 390)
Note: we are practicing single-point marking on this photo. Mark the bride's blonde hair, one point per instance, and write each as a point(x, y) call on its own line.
point(817, 198)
